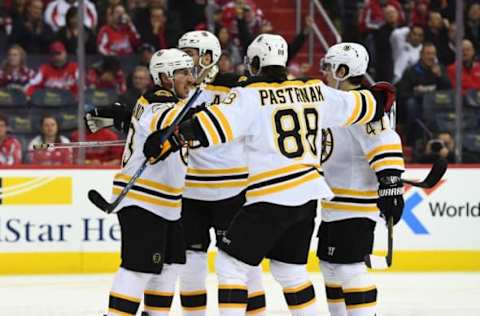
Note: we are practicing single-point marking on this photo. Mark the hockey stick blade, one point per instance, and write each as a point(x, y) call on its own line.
point(380, 262)
point(98, 200)
point(439, 168)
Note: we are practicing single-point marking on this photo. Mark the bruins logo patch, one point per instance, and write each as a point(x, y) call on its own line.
point(327, 145)
point(163, 93)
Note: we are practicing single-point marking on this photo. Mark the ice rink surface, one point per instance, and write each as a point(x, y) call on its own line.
point(405, 294)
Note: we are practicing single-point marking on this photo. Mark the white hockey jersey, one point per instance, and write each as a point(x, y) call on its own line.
point(159, 189)
point(351, 156)
point(217, 172)
point(281, 123)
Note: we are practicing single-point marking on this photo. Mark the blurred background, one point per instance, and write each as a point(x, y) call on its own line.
point(51, 70)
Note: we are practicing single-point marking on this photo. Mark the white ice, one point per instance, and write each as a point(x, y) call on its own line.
point(405, 294)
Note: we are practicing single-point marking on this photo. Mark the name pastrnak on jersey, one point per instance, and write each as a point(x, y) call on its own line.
point(280, 122)
point(159, 189)
point(217, 172)
point(351, 156)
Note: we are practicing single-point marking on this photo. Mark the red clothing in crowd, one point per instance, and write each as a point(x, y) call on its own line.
point(470, 76)
point(102, 155)
point(119, 41)
point(10, 151)
point(371, 17)
point(16, 78)
point(49, 76)
point(56, 11)
point(95, 80)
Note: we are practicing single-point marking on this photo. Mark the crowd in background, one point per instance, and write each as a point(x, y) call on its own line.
point(411, 43)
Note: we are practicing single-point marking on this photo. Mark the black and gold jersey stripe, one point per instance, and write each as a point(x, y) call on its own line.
point(348, 200)
point(281, 179)
point(149, 191)
point(216, 178)
point(215, 125)
point(364, 109)
point(387, 156)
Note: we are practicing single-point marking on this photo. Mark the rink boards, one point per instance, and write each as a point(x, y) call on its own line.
point(47, 224)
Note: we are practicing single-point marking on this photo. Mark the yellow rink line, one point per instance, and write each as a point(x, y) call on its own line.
point(104, 262)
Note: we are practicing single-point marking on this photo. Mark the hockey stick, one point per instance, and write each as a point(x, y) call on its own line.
point(439, 167)
point(380, 262)
point(97, 199)
point(78, 144)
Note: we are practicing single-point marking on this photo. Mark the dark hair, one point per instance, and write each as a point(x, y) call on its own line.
point(110, 63)
point(274, 72)
point(73, 11)
point(3, 118)
point(57, 136)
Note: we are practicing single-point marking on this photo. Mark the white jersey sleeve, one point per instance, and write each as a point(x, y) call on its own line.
point(381, 145)
point(341, 108)
point(159, 189)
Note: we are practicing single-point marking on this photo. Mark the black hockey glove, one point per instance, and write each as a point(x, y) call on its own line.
point(390, 194)
point(117, 115)
point(154, 150)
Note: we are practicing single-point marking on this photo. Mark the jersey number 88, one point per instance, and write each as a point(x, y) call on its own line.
point(296, 131)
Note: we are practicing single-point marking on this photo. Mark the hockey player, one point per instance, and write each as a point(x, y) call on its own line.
point(152, 247)
point(214, 186)
point(215, 182)
point(281, 120)
point(362, 166)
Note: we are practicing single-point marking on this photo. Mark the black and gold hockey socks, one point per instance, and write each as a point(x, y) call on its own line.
point(120, 304)
point(256, 303)
point(300, 298)
point(334, 294)
point(193, 301)
point(232, 297)
point(157, 302)
point(361, 299)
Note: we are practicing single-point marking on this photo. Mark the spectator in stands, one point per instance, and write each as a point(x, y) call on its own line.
point(246, 11)
point(106, 156)
point(29, 30)
point(107, 74)
point(297, 43)
point(57, 10)
point(372, 17)
point(437, 33)
point(191, 13)
point(10, 147)
point(406, 44)
point(141, 82)
point(383, 50)
point(119, 37)
point(225, 63)
point(59, 73)
point(472, 25)
point(471, 68)
point(145, 52)
point(230, 46)
point(14, 72)
point(159, 30)
point(419, 13)
point(442, 146)
point(49, 133)
point(68, 34)
point(425, 76)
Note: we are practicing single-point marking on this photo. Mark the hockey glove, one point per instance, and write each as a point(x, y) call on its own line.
point(390, 194)
point(384, 93)
point(117, 115)
point(154, 150)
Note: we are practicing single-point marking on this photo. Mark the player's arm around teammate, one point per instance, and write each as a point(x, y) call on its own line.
point(281, 120)
point(152, 245)
point(360, 163)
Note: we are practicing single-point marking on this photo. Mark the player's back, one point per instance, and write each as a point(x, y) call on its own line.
point(351, 157)
point(160, 187)
point(216, 172)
